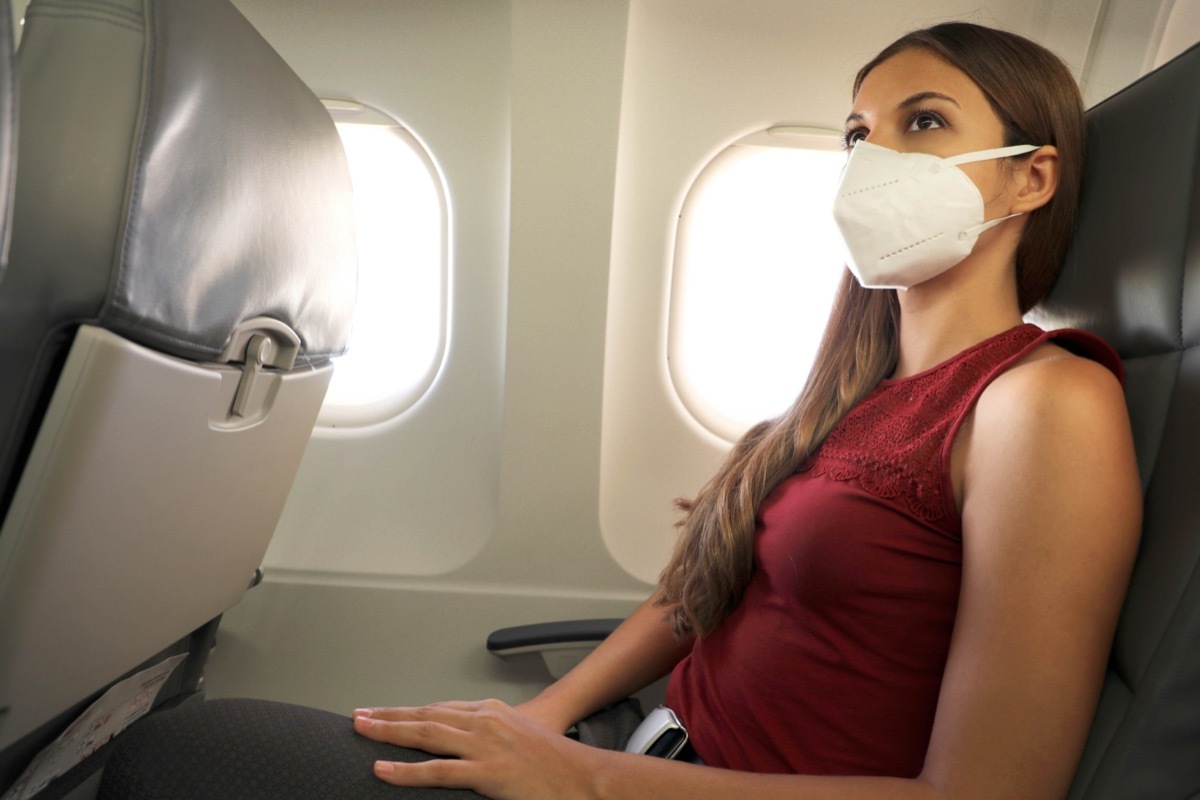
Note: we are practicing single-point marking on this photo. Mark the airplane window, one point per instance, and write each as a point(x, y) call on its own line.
point(399, 321)
point(757, 261)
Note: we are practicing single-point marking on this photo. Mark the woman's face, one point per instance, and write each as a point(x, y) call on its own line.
point(917, 103)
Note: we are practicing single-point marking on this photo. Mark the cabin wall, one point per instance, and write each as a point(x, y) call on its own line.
point(404, 544)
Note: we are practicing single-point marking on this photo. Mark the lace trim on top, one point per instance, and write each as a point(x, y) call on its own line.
point(891, 442)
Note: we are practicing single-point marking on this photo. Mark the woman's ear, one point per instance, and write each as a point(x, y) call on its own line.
point(1036, 181)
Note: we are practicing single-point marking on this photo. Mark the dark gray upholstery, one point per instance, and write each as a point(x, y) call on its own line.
point(8, 129)
point(1133, 277)
point(223, 749)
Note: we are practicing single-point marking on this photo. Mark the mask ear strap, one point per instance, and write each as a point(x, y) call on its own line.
point(971, 233)
point(995, 152)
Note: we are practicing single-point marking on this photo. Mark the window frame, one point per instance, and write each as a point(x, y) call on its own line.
point(700, 409)
point(335, 416)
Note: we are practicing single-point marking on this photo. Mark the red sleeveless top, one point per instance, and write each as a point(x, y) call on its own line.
point(832, 662)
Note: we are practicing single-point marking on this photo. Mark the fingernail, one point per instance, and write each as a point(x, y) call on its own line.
point(384, 768)
point(364, 722)
point(361, 712)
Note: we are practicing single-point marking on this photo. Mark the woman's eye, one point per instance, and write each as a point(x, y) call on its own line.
point(925, 121)
point(853, 137)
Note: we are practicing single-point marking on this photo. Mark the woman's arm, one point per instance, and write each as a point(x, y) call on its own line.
point(1051, 519)
point(640, 651)
point(1051, 514)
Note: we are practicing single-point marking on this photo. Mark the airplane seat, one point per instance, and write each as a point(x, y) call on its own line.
point(8, 128)
point(1132, 276)
point(182, 272)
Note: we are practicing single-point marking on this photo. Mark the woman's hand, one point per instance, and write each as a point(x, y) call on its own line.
point(490, 748)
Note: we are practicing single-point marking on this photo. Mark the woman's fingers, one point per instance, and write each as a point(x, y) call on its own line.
point(446, 735)
point(453, 729)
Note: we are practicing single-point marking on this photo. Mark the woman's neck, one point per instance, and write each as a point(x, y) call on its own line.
point(944, 316)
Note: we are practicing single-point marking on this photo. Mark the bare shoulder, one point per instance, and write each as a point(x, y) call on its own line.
point(1052, 396)
point(1052, 435)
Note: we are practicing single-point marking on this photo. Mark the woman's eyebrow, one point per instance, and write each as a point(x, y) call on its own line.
point(914, 100)
point(921, 97)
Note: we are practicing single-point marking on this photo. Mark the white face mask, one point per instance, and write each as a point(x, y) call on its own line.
point(906, 217)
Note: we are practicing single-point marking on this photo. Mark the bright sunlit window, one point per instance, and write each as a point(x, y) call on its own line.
point(400, 317)
point(757, 261)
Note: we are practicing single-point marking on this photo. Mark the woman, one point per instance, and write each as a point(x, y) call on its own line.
point(906, 586)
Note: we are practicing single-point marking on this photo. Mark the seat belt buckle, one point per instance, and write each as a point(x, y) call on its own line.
point(661, 734)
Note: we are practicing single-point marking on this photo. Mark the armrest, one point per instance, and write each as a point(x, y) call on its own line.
point(561, 645)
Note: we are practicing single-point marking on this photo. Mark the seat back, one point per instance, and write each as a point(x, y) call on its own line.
point(1133, 277)
point(8, 128)
point(182, 272)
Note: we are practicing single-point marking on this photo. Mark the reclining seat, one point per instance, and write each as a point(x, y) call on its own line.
point(1133, 277)
point(182, 271)
point(8, 129)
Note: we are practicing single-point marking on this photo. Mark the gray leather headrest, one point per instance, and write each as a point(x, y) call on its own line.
point(1133, 272)
point(181, 178)
point(176, 180)
point(1124, 275)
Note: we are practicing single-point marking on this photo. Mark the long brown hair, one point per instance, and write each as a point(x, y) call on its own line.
point(1038, 102)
